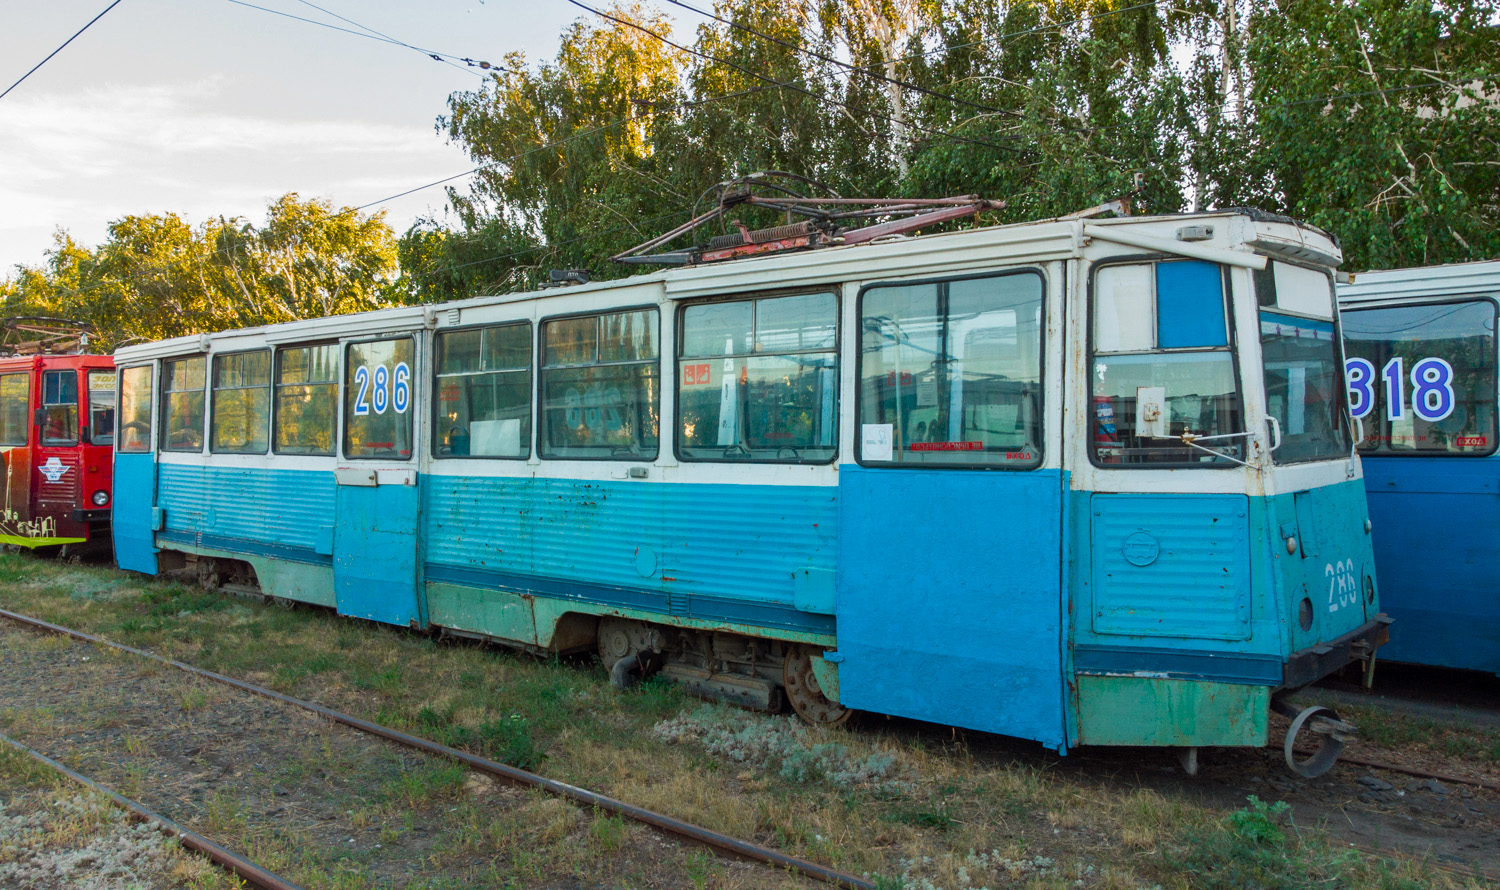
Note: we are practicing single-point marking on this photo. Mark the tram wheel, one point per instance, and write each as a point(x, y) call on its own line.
point(806, 696)
point(210, 575)
point(1322, 723)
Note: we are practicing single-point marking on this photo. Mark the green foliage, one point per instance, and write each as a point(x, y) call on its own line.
point(158, 277)
point(1378, 120)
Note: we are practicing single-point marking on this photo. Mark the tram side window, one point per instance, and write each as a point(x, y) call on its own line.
point(951, 373)
point(1422, 378)
point(60, 407)
point(378, 398)
point(182, 404)
point(15, 409)
point(135, 410)
point(758, 380)
point(1162, 366)
point(484, 392)
point(601, 387)
point(1301, 358)
point(241, 413)
point(306, 399)
point(101, 407)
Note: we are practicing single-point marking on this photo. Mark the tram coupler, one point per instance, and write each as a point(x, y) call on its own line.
point(1324, 724)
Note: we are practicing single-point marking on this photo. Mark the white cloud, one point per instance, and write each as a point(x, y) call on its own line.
point(79, 160)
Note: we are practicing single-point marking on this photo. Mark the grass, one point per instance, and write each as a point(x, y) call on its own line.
point(911, 814)
point(1381, 728)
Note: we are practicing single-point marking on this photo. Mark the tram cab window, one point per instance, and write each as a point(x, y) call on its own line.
point(135, 410)
point(1421, 378)
point(951, 373)
point(484, 392)
point(378, 399)
point(1301, 356)
point(15, 409)
point(182, 384)
point(241, 421)
point(1162, 366)
point(601, 387)
point(60, 407)
point(101, 426)
point(306, 399)
point(758, 380)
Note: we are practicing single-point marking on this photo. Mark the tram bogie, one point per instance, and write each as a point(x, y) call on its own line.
point(1081, 482)
point(1421, 353)
point(56, 432)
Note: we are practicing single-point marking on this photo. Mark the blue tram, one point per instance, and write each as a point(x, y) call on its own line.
point(1086, 482)
point(1421, 359)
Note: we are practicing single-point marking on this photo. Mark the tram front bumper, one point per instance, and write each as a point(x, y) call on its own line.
point(1316, 662)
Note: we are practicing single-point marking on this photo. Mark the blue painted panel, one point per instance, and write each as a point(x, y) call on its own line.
point(1437, 551)
point(375, 553)
point(704, 551)
point(1190, 305)
point(1329, 568)
point(130, 518)
point(245, 546)
point(1171, 565)
point(949, 598)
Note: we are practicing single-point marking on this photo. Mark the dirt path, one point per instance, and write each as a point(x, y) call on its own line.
point(322, 804)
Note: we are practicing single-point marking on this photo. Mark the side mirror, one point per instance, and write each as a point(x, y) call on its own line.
point(40, 417)
point(84, 436)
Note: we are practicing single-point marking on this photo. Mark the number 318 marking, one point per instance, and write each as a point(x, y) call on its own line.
point(1432, 388)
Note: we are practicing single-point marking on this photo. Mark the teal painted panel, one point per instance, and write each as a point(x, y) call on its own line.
point(281, 507)
point(739, 543)
point(1171, 566)
point(131, 517)
point(375, 564)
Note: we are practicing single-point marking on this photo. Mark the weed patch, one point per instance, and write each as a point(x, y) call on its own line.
point(781, 745)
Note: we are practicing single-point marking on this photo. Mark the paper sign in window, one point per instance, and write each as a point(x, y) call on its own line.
point(875, 441)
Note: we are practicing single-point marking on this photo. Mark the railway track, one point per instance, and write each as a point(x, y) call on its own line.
point(720, 843)
point(223, 857)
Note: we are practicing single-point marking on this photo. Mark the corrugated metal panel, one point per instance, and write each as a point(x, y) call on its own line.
point(283, 507)
point(1423, 281)
point(1171, 565)
point(741, 542)
point(63, 493)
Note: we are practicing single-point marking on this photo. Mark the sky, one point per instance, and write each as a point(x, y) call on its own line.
point(212, 107)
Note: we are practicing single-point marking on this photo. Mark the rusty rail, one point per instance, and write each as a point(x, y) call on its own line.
point(222, 856)
point(1419, 773)
point(721, 842)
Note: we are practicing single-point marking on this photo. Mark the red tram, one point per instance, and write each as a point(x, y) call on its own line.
point(57, 429)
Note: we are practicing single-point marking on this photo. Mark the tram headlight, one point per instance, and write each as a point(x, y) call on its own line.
point(100, 498)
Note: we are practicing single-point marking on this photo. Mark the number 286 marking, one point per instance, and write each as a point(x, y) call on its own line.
point(1343, 587)
point(382, 390)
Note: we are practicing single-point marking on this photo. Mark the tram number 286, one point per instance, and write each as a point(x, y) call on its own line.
point(381, 389)
point(1343, 585)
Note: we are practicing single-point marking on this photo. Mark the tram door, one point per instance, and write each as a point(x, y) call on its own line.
point(950, 528)
point(375, 543)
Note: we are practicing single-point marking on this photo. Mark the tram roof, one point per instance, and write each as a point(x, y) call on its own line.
point(1423, 281)
point(1244, 239)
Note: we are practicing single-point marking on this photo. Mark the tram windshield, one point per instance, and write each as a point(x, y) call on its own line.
point(1304, 391)
point(1162, 368)
point(1422, 378)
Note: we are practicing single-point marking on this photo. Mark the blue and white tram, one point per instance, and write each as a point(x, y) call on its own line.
point(1421, 367)
point(1082, 482)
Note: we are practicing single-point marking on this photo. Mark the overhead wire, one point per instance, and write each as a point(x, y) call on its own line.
point(350, 21)
point(370, 34)
point(59, 49)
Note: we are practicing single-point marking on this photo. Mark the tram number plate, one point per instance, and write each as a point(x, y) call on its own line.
point(1343, 585)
